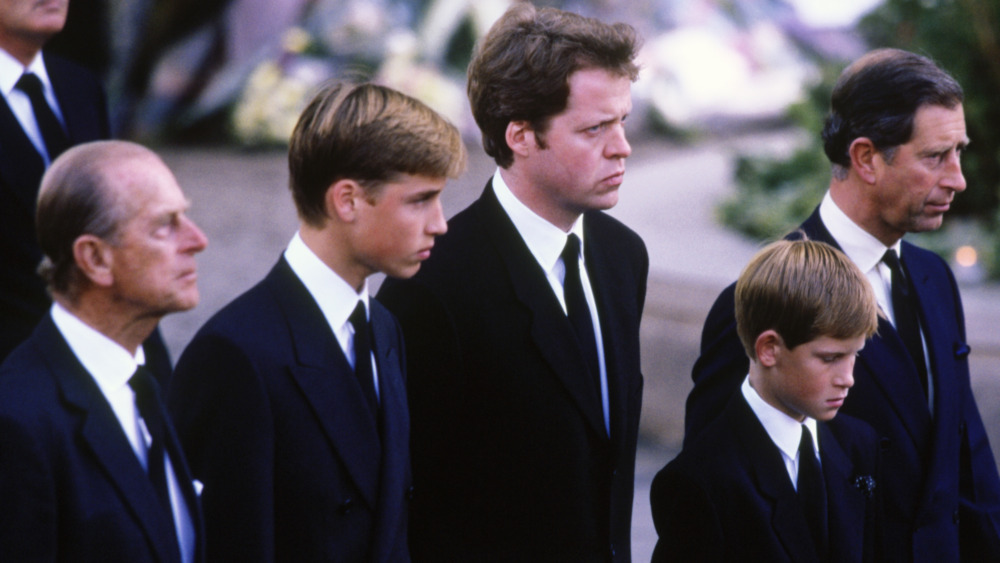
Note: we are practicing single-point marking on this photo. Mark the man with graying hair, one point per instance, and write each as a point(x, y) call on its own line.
point(90, 467)
point(894, 136)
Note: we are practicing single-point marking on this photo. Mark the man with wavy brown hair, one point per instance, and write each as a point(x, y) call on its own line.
point(523, 329)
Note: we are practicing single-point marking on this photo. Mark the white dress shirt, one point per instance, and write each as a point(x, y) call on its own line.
point(334, 296)
point(546, 243)
point(785, 431)
point(866, 252)
point(10, 72)
point(111, 366)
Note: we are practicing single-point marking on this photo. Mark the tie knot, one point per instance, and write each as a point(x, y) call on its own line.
point(891, 259)
point(571, 252)
point(806, 442)
point(359, 318)
point(147, 399)
point(143, 383)
point(30, 84)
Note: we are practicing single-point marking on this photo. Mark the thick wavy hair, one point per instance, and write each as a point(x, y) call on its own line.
point(520, 70)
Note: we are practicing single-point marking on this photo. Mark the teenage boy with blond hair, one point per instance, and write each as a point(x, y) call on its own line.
point(292, 400)
point(755, 486)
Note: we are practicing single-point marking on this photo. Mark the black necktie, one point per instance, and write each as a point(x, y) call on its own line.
point(577, 309)
point(812, 491)
point(363, 355)
point(52, 132)
point(905, 309)
point(147, 398)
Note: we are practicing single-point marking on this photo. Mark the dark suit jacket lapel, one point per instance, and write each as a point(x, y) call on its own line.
point(395, 469)
point(102, 433)
point(550, 329)
point(327, 382)
point(944, 347)
point(20, 164)
point(767, 469)
point(846, 504)
point(882, 357)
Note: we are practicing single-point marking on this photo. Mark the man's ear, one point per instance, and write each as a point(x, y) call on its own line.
point(768, 346)
point(520, 137)
point(94, 257)
point(863, 159)
point(342, 199)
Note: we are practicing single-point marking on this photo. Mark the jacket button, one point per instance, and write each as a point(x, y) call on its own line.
point(954, 517)
point(883, 444)
point(346, 505)
point(409, 493)
point(961, 429)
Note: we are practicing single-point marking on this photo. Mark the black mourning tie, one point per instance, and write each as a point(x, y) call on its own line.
point(363, 355)
point(576, 306)
point(147, 398)
point(904, 307)
point(53, 133)
point(812, 491)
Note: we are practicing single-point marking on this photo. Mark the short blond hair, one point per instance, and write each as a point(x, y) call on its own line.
point(803, 290)
point(370, 134)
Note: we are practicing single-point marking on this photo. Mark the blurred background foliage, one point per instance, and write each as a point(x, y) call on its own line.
point(962, 36)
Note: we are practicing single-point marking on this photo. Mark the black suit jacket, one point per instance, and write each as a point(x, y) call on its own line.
point(942, 492)
point(72, 487)
point(728, 497)
point(511, 458)
point(23, 300)
point(275, 424)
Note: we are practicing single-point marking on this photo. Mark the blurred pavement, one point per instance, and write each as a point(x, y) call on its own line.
point(241, 201)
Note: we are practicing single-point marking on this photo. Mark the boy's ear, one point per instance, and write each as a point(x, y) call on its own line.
point(863, 158)
point(94, 258)
point(520, 137)
point(342, 199)
point(767, 347)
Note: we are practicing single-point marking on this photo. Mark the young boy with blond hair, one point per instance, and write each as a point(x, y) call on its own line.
point(776, 477)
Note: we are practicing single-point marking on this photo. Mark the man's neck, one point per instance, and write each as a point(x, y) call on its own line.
point(129, 333)
point(24, 51)
point(846, 195)
point(332, 249)
point(534, 200)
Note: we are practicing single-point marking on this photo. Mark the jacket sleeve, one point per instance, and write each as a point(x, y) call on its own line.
point(720, 368)
point(224, 422)
point(687, 526)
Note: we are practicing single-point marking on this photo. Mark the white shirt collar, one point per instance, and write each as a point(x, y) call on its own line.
point(544, 240)
point(861, 247)
point(108, 363)
point(335, 297)
point(785, 431)
point(11, 71)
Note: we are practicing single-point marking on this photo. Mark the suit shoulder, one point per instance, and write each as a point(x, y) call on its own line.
point(70, 71)
point(27, 388)
point(609, 226)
